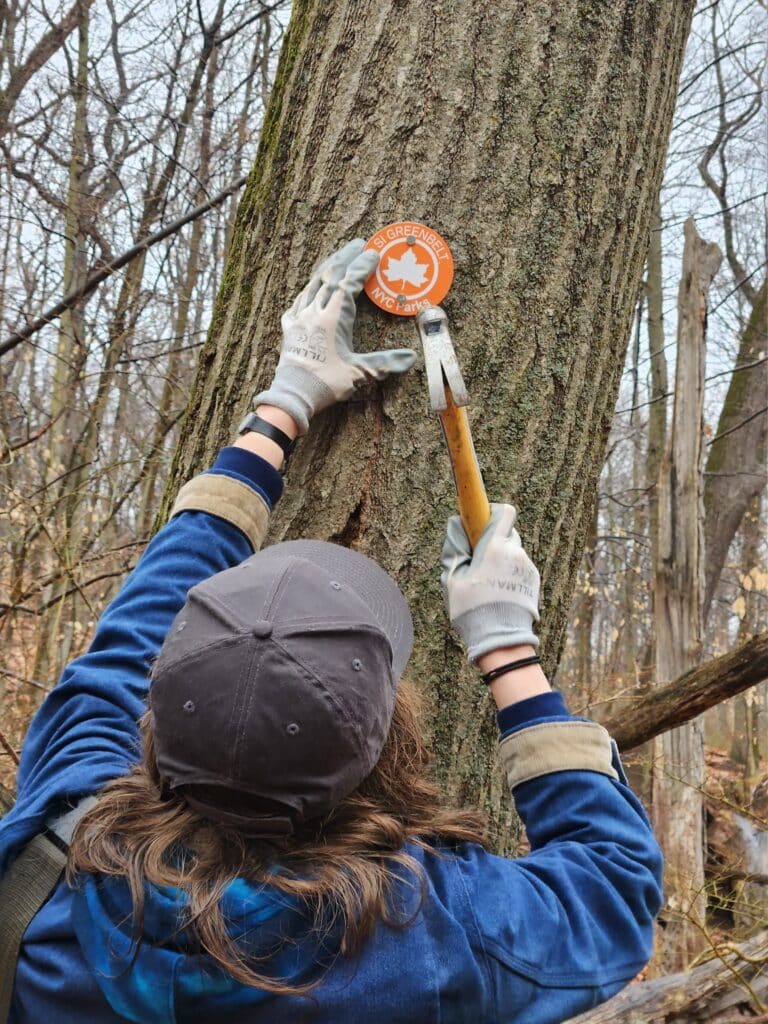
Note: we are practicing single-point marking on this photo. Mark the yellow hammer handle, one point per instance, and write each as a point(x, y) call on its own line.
point(474, 508)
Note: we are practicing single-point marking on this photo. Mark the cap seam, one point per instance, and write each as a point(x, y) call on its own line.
point(280, 584)
point(319, 683)
point(159, 669)
point(230, 749)
point(254, 664)
point(213, 603)
point(338, 624)
point(341, 627)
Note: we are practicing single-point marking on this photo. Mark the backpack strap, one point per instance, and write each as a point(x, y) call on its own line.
point(26, 886)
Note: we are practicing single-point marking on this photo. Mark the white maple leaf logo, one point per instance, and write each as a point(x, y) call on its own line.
point(407, 269)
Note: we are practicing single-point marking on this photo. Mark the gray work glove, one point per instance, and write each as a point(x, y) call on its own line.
point(492, 595)
point(318, 365)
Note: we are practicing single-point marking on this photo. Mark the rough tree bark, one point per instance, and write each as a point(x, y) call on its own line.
point(678, 769)
point(532, 136)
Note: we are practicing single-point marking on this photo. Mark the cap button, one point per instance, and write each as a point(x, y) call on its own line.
point(262, 628)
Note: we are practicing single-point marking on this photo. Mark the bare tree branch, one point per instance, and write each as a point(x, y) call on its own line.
point(96, 278)
point(42, 52)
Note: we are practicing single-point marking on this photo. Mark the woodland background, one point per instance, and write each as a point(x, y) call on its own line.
point(123, 123)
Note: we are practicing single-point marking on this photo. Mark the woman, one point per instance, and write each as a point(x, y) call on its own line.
point(273, 850)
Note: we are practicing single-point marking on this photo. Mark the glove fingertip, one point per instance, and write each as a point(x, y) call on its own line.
point(359, 270)
point(353, 246)
point(397, 360)
point(507, 519)
point(403, 359)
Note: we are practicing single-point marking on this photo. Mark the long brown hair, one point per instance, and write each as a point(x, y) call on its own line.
point(342, 868)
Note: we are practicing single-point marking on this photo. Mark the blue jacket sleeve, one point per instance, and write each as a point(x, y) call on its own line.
point(85, 733)
point(565, 927)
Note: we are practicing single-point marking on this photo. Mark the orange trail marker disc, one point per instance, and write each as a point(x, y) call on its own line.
point(415, 268)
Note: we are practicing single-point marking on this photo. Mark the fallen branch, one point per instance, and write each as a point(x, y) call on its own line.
point(735, 978)
point(95, 279)
point(651, 713)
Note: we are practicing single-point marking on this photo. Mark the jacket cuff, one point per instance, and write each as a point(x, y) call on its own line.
point(557, 747)
point(525, 712)
point(252, 469)
point(229, 499)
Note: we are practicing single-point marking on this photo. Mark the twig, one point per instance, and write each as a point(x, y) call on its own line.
point(8, 749)
point(738, 426)
point(94, 280)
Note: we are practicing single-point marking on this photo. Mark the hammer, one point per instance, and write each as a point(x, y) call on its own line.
point(448, 397)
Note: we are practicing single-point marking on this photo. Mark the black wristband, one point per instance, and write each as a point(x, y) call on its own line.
point(257, 425)
point(510, 667)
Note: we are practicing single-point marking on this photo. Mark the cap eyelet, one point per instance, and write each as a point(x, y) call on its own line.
point(181, 625)
point(357, 665)
point(189, 706)
point(335, 585)
point(292, 729)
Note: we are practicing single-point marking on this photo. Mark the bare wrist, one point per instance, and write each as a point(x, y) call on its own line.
point(264, 446)
point(280, 419)
point(516, 685)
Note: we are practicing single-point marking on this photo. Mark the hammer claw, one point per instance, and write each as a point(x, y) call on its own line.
point(448, 396)
point(440, 359)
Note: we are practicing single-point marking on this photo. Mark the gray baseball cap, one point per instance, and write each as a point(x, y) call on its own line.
point(273, 693)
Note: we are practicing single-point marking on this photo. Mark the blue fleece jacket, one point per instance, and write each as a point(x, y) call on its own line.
point(536, 940)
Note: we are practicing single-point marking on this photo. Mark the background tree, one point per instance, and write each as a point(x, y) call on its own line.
point(715, 171)
point(533, 139)
point(138, 116)
point(678, 768)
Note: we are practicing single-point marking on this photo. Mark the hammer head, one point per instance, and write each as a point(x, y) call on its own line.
point(440, 359)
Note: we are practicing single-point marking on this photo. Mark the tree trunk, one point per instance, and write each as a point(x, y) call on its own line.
point(679, 755)
point(736, 469)
point(657, 409)
point(640, 769)
point(189, 276)
point(584, 619)
point(55, 632)
point(746, 743)
point(533, 138)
